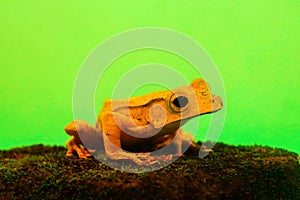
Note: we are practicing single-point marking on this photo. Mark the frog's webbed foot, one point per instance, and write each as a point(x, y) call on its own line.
point(139, 158)
point(147, 159)
point(142, 158)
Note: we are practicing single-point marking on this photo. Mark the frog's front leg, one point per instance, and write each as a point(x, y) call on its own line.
point(186, 140)
point(112, 142)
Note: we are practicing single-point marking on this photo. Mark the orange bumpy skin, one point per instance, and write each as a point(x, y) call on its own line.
point(131, 129)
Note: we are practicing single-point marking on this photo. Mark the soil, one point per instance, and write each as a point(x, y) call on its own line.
point(229, 172)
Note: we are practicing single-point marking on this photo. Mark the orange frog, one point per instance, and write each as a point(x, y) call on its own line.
point(131, 129)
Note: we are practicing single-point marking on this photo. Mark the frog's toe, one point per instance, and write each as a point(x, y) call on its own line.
point(150, 160)
point(164, 158)
point(80, 153)
point(69, 153)
point(206, 150)
point(83, 156)
point(178, 155)
point(137, 160)
point(168, 157)
point(85, 152)
point(144, 159)
point(87, 155)
point(148, 163)
point(91, 150)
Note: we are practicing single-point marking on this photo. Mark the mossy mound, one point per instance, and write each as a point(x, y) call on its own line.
point(230, 172)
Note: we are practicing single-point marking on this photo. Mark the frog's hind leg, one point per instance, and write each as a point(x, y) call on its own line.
point(73, 146)
point(75, 143)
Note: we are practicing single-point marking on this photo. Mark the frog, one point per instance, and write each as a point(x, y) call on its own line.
point(134, 128)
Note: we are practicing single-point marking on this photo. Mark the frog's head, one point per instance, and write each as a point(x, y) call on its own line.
point(168, 110)
point(193, 100)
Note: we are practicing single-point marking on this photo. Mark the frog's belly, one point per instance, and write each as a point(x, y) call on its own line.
point(133, 144)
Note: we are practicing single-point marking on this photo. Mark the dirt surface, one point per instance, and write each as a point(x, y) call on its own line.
point(230, 172)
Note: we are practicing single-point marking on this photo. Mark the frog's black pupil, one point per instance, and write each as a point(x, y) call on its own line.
point(180, 101)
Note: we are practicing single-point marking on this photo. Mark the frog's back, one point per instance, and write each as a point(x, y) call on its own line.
point(133, 102)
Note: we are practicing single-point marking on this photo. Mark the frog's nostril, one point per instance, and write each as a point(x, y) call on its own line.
point(212, 101)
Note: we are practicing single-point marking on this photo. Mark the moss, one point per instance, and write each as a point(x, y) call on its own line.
point(230, 172)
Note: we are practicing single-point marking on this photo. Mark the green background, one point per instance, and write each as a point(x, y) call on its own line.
point(255, 45)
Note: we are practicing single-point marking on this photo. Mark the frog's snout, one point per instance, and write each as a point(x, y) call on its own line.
point(216, 102)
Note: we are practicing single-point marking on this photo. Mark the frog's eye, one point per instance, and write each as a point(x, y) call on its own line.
point(180, 101)
point(177, 103)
